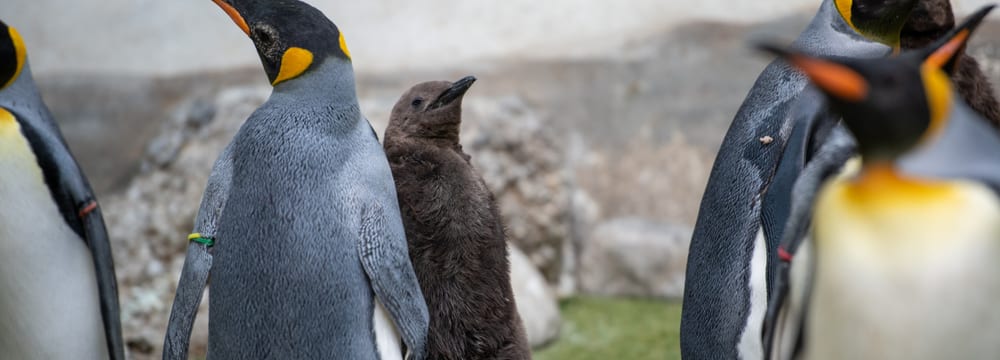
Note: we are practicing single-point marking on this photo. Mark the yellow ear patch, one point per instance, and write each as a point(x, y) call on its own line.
point(21, 54)
point(937, 87)
point(294, 62)
point(343, 46)
point(844, 8)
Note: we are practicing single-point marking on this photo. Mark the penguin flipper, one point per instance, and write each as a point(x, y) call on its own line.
point(198, 263)
point(783, 323)
point(96, 236)
point(386, 260)
point(78, 206)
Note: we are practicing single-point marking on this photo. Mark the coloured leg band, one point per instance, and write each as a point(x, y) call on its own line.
point(197, 238)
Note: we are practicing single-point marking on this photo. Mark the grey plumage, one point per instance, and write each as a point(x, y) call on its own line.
point(307, 231)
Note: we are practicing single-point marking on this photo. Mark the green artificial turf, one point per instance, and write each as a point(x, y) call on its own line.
point(603, 329)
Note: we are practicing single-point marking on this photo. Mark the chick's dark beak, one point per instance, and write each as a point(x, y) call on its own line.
point(455, 92)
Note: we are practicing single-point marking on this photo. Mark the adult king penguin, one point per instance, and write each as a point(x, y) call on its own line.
point(733, 253)
point(58, 292)
point(299, 225)
point(457, 240)
point(905, 250)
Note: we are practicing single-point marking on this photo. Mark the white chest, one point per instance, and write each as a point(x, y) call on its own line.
point(906, 276)
point(48, 294)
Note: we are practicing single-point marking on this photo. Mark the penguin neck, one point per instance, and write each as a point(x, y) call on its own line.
point(28, 99)
point(830, 35)
point(330, 84)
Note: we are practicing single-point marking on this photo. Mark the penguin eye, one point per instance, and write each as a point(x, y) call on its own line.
point(417, 102)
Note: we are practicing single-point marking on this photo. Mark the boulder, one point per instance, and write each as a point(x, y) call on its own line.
point(536, 301)
point(635, 257)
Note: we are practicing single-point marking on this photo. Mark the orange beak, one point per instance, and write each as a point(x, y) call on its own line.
point(945, 53)
point(836, 79)
point(235, 15)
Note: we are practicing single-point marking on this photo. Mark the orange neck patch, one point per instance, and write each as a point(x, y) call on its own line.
point(882, 183)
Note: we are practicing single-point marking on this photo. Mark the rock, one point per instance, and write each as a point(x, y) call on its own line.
point(525, 167)
point(536, 301)
point(635, 257)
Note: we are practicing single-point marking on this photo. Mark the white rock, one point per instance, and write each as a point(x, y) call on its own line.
point(635, 257)
point(536, 301)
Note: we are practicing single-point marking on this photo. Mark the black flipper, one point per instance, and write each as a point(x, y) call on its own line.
point(829, 159)
point(78, 206)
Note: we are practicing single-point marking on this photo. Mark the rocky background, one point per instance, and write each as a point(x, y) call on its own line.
point(599, 159)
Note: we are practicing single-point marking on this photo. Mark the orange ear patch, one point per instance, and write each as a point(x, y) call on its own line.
point(235, 15)
point(837, 80)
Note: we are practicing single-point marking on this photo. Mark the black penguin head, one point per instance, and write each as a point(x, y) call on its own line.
point(431, 110)
point(12, 55)
point(891, 105)
point(879, 20)
point(291, 37)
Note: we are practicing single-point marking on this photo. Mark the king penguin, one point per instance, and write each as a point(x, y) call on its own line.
point(733, 253)
point(903, 251)
point(58, 292)
point(457, 240)
point(299, 226)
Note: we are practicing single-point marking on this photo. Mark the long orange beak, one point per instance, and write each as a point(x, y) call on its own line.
point(235, 15)
point(836, 79)
point(945, 53)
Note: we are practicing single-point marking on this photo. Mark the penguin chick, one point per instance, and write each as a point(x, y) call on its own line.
point(918, 224)
point(933, 19)
point(299, 226)
point(453, 225)
point(58, 291)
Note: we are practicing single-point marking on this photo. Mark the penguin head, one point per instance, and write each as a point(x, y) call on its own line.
point(291, 37)
point(13, 55)
point(879, 20)
point(431, 110)
point(890, 105)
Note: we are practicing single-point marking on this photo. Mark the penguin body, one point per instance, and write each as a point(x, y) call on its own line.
point(299, 225)
point(733, 254)
point(901, 262)
point(58, 292)
point(456, 235)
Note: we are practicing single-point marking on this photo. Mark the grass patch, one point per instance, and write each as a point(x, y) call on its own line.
point(600, 329)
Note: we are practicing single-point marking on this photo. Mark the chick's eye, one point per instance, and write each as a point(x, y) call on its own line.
point(417, 102)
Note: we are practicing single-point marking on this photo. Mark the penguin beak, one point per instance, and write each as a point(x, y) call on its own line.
point(233, 14)
point(833, 78)
point(456, 91)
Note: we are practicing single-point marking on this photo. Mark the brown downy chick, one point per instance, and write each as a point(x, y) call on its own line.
point(456, 235)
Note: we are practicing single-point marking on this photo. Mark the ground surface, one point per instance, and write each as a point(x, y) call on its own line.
point(598, 329)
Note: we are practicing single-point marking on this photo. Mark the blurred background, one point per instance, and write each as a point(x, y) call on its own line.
point(594, 122)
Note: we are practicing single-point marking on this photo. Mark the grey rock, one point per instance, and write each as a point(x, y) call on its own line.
point(536, 301)
point(635, 257)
